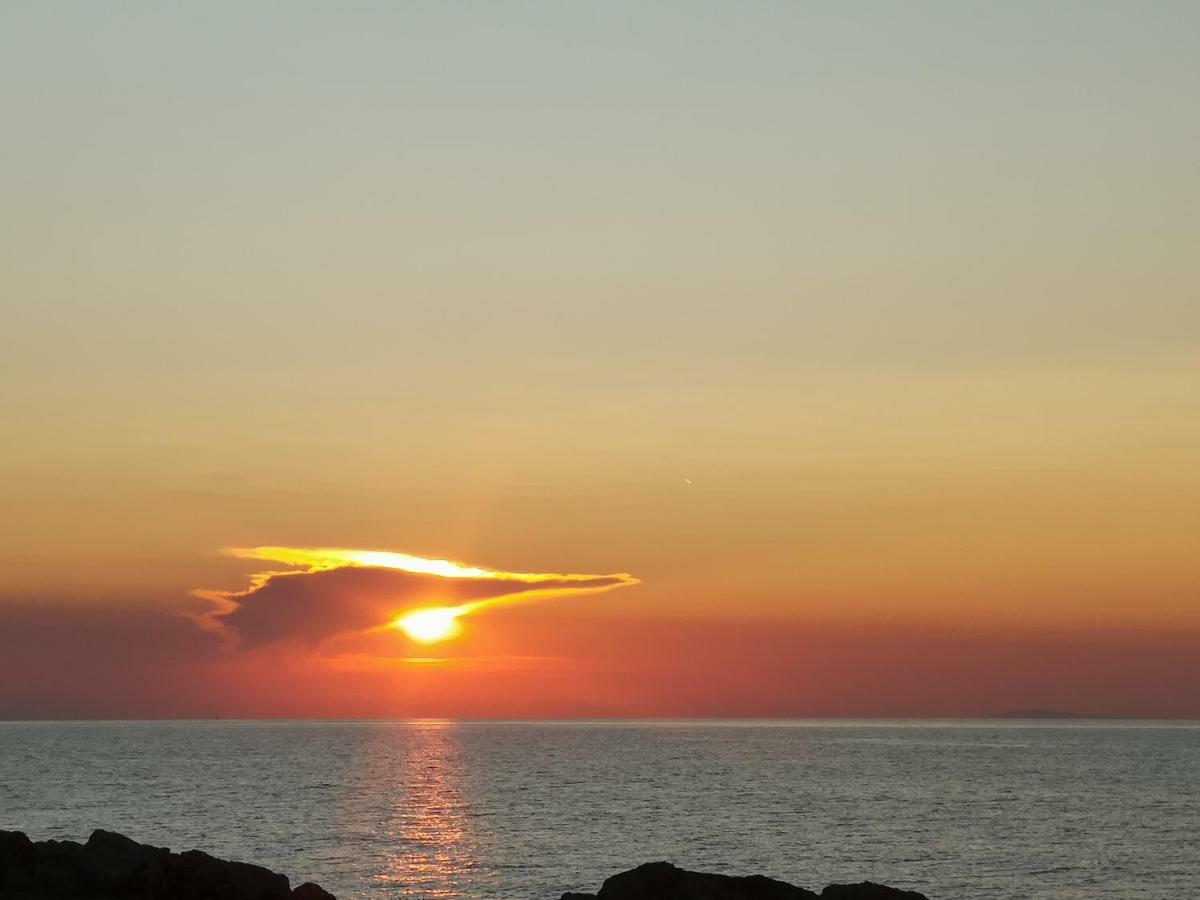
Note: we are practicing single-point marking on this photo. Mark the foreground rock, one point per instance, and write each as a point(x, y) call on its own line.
point(663, 881)
point(111, 866)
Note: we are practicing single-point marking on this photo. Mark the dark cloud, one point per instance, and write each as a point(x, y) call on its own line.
point(313, 606)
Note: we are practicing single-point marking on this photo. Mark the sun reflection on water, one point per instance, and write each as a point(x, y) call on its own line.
point(429, 845)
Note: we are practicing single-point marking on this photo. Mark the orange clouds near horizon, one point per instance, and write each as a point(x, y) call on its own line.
point(317, 635)
point(573, 660)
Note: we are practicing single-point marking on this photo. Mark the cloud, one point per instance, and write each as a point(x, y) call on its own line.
point(340, 592)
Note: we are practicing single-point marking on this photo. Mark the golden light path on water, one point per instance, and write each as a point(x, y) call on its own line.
point(428, 625)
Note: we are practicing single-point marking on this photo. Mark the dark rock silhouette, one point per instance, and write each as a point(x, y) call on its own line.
point(663, 881)
point(310, 891)
point(111, 866)
point(868, 890)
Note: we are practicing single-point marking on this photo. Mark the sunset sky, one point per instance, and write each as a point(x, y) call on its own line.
point(762, 359)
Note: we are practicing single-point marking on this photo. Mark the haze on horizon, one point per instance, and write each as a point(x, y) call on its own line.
point(865, 339)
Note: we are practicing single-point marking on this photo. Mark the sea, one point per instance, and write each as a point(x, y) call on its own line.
point(962, 810)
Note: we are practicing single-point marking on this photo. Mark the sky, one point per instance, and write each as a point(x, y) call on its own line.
point(827, 359)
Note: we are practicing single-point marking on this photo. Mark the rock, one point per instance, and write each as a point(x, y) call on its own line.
point(18, 857)
point(310, 891)
point(112, 862)
point(113, 867)
point(207, 876)
point(663, 881)
point(112, 844)
point(868, 890)
point(60, 868)
point(16, 847)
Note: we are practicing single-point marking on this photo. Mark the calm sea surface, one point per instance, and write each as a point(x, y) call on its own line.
point(529, 810)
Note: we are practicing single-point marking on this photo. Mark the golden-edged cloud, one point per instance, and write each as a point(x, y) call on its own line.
point(332, 592)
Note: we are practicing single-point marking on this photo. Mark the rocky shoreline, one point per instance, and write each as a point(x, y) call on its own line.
point(111, 866)
point(663, 881)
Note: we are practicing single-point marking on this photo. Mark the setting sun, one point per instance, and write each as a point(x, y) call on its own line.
point(431, 625)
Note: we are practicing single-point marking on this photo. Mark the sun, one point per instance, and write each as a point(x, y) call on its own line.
point(431, 625)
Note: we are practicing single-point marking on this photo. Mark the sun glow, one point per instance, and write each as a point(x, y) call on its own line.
point(429, 626)
point(426, 625)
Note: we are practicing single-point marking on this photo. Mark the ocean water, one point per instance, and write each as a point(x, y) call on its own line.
point(530, 810)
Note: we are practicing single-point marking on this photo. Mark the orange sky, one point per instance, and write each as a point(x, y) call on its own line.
point(319, 638)
point(864, 342)
point(77, 663)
